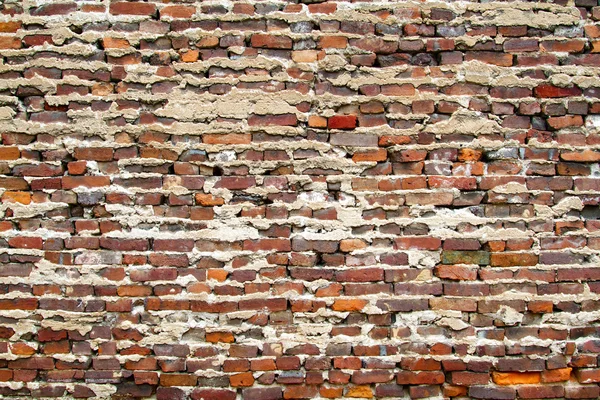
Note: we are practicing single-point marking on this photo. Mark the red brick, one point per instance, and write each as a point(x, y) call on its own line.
point(26, 242)
point(550, 91)
point(131, 8)
point(342, 122)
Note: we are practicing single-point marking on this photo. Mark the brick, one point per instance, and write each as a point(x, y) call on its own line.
point(271, 41)
point(271, 393)
point(8, 42)
point(178, 380)
point(305, 56)
point(420, 378)
point(349, 305)
point(178, 11)
point(359, 392)
point(588, 375)
point(541, 392)
point(229, 138)
point(273, 120)
point(9, 153)
point(465, 257)
point(128, 8)
point(26, 242)
point(16, 197)
point(581, 156)
point(456, 272)
point(482, 392)
point(499, 59)
point(71, 182)
point(212, 394)
point(115, 43)
point(516, 378)
point(241, 380)
point(549, 91)
point(582, 392)
point(342, 122)
point(513, 259)
point(10, 26)
point(333, 42)
point(556, 375)
point(418, 243)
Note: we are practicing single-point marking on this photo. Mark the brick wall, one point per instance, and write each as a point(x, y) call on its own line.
point(266, 199)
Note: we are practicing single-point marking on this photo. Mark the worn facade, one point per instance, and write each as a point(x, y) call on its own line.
point(267, 200)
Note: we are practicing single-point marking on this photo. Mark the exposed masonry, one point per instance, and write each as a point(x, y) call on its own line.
point(270, 200)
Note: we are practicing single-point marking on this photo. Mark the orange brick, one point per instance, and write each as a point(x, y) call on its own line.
point(198, 287)
point(362, 392)
point(10, 26)
point(241, 380)
point(516, 378)
point(592, 31)
point(178, 380)
point(540, 306)
point(348, 245)
point(330, 392)
point(469, 155)
point(9, 42)
point(333, 42)
point(304, 56)
point(21, 349)
point(371, 155)
point(134, 291)
point(228, 138)
point(115, 43)
point(207, 42)
point(315, 121)
point(581, 156)
point(220, 337)
point(190, 56)
point(9, 153)
point(208, 200)
point(16, 197)
point(349, 305)
point(77, 167)
point(102, 89)
point(217, 274)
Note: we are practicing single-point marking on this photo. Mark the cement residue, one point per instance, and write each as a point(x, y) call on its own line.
point(465, 121)
point(536, 15)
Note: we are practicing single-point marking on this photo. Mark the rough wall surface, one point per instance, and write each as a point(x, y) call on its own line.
point(266, 200)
